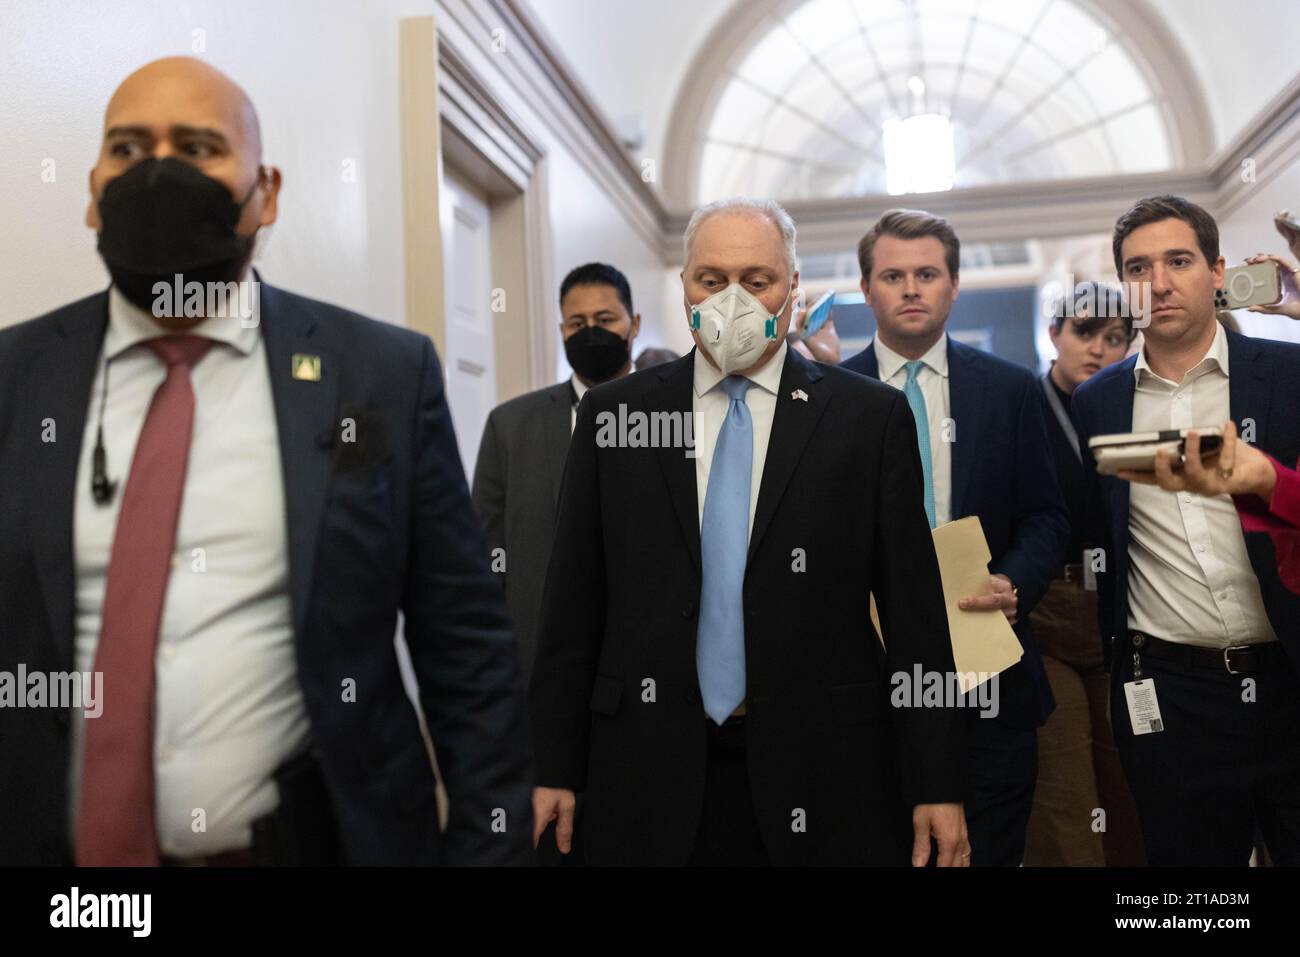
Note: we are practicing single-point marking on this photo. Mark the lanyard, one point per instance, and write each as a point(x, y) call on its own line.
point(1062, 416)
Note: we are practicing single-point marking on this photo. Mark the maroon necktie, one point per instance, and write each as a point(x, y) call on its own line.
point(115, 820)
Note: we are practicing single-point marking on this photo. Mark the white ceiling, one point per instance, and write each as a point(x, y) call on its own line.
point(632, 56)
point(1243, 51)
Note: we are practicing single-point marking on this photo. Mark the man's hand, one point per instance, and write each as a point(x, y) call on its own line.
point(1241, 469)
point(1003, 599)
point(554, 804)
point(825, 343)
point(946, 823)
point(822, 346)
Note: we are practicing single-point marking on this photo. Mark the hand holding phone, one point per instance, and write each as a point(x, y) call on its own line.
point(1238, 468)
point(1289, 303)
point(1257, 283)
point(813, 332)
point(817, 316)
point(1136, 451)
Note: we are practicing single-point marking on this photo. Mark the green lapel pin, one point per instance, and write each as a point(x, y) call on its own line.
point(305, 367)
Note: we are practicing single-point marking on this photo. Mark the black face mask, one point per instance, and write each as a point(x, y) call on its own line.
point(596, 354)
point(162, 217)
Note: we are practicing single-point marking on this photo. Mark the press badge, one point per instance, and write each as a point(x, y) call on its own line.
point(1143, 708)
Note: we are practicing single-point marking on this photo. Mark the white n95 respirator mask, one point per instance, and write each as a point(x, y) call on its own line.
point(734, 327)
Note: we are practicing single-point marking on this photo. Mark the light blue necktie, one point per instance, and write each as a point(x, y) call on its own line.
point(724, 542)
point(917, 401)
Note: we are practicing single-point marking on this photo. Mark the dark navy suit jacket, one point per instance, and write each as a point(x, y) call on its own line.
point(1002, 471)
point(1264, 382)
point(376, 526)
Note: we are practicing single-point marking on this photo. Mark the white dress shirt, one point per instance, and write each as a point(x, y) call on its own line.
point(932, 377)
point(228, 709)
point(1190, 579)
point(579, 389)
point(709, 406)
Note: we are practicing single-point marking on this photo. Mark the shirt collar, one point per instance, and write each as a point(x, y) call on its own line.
point(579, 387)
point(1216, 357)
point(889, 362)
point(129, 325)
point(768, 377)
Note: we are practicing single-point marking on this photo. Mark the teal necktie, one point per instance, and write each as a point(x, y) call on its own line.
point(917, 401)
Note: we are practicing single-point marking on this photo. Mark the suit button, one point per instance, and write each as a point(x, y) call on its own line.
point(692, 697)
point(688, 611)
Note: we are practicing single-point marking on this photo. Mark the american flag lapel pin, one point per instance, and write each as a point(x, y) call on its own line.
point(799, 394)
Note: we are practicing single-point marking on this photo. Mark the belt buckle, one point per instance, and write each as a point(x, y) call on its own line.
point(1227, 660)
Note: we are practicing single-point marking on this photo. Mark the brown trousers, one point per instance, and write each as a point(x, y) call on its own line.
point(1079, 771)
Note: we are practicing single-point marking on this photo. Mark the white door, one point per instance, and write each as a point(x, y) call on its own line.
point(469, 363)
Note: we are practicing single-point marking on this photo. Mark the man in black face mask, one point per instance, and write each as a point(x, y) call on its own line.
point(525, 441)
point(179, 198)
point(223, 519)
point(598, 325)
point(521, 457)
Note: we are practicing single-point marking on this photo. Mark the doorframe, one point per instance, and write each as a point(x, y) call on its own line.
point(447, 110)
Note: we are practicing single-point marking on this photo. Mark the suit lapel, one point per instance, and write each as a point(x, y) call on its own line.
point(966, 406)
point(1249, 398)
point(559, 430)
point(792, 425)
point(672, 393)
point(1117, 413)
point(870, 364)
point(306, 417)
point(1248, 391)
point(60, 383)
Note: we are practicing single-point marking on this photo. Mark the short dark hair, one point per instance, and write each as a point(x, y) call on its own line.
point(654, 356)
point(1155, 209)
point(599, 274)
point(1086, 297)
point(910, 224)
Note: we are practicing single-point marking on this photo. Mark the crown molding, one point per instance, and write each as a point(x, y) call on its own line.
point(539, 71)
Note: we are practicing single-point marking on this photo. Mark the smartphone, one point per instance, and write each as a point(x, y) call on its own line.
point(1254, 285)
point(817, 315)
point(1136, 451)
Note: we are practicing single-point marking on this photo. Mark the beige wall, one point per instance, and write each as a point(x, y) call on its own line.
point(324, 77)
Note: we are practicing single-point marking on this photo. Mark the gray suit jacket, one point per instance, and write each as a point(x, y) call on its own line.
point(516, 492)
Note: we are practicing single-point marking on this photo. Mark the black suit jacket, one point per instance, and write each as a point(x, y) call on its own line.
point(1264, 380)
point(374, 527)
point(1002, 471)
point(615, 696)
point(516, 494)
